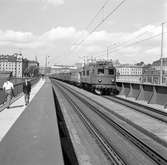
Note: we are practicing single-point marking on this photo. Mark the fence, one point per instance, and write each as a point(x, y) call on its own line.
point(150, 93)
point(18, 88)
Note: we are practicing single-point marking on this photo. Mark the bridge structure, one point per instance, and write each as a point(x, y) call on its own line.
point(39, 134)
point(148, 93)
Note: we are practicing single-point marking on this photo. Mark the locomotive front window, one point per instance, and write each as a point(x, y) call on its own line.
point(111, 71)
point(100, 71)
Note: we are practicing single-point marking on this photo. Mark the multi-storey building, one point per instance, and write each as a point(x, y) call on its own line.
point(151, 74)
point(12, 63)
point(16, 64)
point(60, 68)
point(129, 73)
point(157, 65)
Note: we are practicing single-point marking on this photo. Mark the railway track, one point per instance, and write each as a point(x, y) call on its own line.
point(103, 141)
point(152, 112)
point(95, 106)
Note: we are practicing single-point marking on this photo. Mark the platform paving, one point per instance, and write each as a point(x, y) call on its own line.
point(9, 116)
point(30, 135)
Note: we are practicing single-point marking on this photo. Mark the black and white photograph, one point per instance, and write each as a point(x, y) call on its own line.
point(83, 82)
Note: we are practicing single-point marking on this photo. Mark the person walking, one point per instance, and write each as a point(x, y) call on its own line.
point(26, 91)
point(8, 88)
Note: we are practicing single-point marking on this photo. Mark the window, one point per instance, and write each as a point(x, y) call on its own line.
point(100, 71)
point(87, 73)
point(83, 73)
point(111, 71)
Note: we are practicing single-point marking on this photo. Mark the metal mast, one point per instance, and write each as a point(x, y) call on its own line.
point(161, 66)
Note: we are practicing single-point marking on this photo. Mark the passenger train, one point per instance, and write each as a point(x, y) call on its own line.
point(98, 77)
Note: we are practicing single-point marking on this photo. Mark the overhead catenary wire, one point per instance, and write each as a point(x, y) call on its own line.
point(117, 45)
point(93, 19)
point(116, 49)
point(99, 11)
point(101, 22)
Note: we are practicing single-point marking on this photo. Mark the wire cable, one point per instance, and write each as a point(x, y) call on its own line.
point(93, 19)
point(134, 43)
point(101, 22)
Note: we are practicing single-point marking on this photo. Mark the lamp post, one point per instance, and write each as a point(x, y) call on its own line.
point(161, 59)
point(46, 64)
point(107, 54)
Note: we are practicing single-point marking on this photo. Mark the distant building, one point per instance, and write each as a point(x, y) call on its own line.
point(157, 64)
point(61, 68)
point(16, 64)
point(12, 63)
point(129, 73)
point(151, 74)
point(79, 65)
point(45, 70)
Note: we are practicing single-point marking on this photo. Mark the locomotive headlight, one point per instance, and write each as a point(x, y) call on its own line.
point(100, 80)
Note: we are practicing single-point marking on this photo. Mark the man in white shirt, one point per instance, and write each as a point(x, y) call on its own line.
point(8, 87)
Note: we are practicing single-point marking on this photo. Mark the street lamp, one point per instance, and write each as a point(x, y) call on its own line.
point(161, 59)
point(46, 64)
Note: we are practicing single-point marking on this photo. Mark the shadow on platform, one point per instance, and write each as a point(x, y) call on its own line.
point(17, 106)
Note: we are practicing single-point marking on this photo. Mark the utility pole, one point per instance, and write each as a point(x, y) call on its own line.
point(46, 65)
point(107, 53)
point(161, 67)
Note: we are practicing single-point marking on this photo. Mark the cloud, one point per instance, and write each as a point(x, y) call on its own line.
point(153, 51)
point(11, 37)
point(47, 2)
point(54, 2)
point(59, 33)
point(71, 34)
point(93, 48)
point(60, 39)
point(165, 10)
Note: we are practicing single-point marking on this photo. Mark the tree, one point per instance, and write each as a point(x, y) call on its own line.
point(31, 71)
point(140, 63)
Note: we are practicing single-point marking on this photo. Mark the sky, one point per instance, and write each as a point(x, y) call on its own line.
point(65, 31)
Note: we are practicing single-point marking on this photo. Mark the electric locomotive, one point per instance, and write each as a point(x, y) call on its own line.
point(99, 77)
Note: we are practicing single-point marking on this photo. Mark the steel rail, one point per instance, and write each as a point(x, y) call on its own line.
point(136, 141)
point(103, 141)
point(152, 112)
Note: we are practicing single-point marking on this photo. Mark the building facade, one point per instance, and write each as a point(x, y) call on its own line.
point(12, 63)
point(60, 68)
point(157, 65)
point(129, 73)
point(151, 74)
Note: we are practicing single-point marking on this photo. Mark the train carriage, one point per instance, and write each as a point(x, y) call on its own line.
point(99, 77)
point(75, 78)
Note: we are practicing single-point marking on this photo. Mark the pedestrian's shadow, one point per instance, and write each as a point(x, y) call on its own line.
point(17, 106)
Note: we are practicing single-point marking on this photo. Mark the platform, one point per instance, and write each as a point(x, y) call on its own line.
point(30, 134)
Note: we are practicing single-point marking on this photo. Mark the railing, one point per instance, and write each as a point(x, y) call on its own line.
point(18, 88)
point(150, 93)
